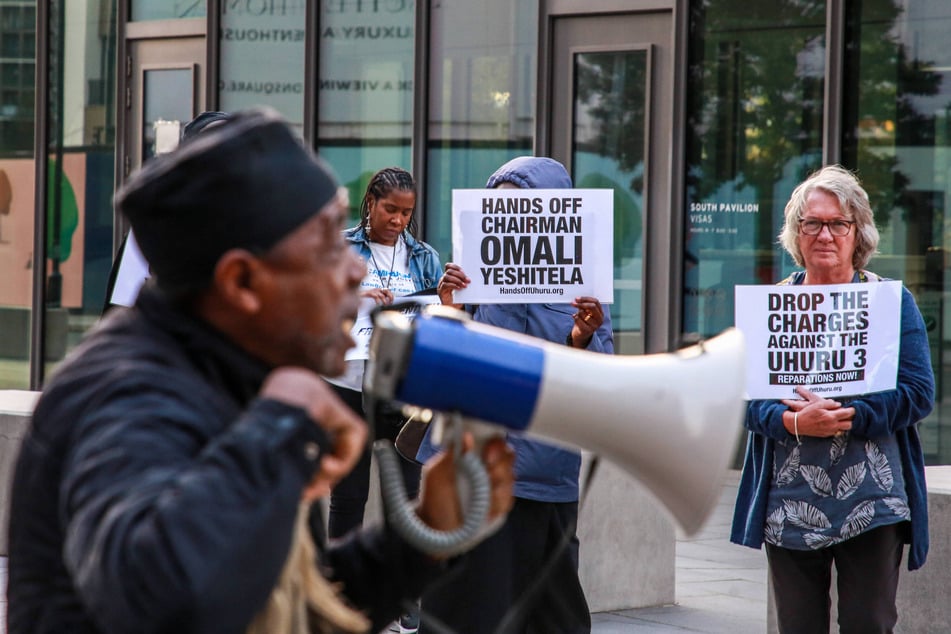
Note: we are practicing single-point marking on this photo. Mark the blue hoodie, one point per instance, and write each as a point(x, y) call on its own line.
point(543, 472)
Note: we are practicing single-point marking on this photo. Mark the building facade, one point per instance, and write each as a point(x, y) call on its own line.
point(701, 115)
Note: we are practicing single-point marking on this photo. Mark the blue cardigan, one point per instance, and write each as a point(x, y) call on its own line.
point(895, 412)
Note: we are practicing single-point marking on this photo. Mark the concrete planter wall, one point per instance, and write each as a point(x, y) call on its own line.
point(16, 407)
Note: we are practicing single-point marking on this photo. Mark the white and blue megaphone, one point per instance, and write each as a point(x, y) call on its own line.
point(671, 420)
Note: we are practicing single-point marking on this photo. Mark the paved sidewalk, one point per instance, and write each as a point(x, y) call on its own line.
point(720, 587)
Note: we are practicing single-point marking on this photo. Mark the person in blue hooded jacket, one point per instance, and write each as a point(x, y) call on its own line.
point(502, 570)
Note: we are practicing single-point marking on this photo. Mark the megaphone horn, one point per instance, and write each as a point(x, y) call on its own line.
point(671, 420)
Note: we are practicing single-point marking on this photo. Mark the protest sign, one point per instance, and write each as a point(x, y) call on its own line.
point(836, 340)
point(362, 328)
point(534, 245)
point(132, 274)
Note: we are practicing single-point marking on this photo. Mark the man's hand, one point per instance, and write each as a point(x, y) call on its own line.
point(439, 505)
point(302, 388)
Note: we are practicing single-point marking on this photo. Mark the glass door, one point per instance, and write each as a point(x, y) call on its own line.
point(611, 90)
point(165, 88)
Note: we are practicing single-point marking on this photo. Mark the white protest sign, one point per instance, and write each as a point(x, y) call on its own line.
point(167, 135)
point(534, 245)
point(362, 328)
point(132, 274)
point(836, 340)
point(133, 268)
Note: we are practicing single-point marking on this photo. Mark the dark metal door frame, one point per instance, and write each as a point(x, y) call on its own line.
point(130, 34)
point(663, 237)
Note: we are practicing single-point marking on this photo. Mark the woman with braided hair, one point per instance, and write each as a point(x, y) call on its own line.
point(398, 264)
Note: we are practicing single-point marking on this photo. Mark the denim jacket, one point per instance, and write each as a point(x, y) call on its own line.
point(423, 266)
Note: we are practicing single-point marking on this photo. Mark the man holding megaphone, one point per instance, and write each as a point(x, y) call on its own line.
point(170, 463)
point(502, 569)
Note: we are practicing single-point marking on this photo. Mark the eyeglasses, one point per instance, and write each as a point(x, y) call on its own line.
point(836, 227)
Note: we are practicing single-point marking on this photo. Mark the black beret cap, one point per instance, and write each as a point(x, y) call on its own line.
point(208, 119)
point(247, 185)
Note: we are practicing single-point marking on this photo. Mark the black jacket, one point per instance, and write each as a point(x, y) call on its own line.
point(156, 493)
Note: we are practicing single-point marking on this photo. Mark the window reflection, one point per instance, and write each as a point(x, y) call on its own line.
point(17, 68)
point(365, 89)
point(898, 136)
point(167, 99)
point(608, 152)
point(167, 9)
point(16, 250)
point(80, 170)
point(262, 57)
point(481, 99)
point(754, 131)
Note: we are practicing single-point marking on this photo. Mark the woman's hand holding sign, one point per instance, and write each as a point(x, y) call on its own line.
point(382, 296)
point(453, 279)
point(588, 319)
point(816, 416)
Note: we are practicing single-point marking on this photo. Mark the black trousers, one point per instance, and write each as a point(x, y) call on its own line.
point(867, 567)
point(499, 572)
point(349, 498)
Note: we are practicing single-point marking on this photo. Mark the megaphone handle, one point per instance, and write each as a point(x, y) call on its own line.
point(408, 525)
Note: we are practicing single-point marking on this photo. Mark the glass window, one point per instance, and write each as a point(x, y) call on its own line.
point(16, 283)
point(608, 152)
point(754, 113)
point(168, 96)
point(482, 98)
point(17, 71)
point(365, 89)
point(17, 181)
point(897, 122)
point(80, 174)
point(174, 9)
point(262, 57)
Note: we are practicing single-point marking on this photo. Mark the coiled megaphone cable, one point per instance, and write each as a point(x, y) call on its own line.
point(408, 525)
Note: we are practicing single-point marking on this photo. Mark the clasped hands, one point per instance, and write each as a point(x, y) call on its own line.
point(817, 416)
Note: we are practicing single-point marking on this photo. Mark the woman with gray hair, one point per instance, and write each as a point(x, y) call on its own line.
point(840, 183)
point(838, 480)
